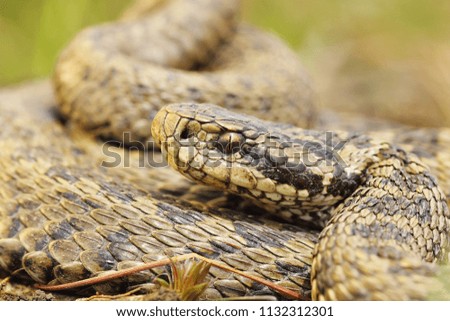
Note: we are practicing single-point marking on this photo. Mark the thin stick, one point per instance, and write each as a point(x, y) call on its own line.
point(146, 266)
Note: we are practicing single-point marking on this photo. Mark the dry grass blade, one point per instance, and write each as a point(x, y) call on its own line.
point(146, 266)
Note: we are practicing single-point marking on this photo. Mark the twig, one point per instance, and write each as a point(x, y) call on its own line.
point(146, 266)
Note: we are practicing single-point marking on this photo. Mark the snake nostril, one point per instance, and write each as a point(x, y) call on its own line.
point(185, 134)
point(190, 130)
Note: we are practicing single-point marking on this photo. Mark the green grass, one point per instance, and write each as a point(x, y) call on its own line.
point(33, 32)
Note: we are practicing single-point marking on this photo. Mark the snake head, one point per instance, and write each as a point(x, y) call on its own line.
point(273, 163)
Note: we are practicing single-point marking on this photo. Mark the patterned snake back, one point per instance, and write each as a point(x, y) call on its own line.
point(72, 206)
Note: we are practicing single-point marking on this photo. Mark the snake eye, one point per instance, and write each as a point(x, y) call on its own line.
point(229, 143)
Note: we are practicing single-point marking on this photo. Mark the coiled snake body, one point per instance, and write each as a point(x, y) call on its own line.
point(64, 218)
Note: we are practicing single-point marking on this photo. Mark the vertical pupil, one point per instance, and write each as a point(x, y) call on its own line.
point(228, 142)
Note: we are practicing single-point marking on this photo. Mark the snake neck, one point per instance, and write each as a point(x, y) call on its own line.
point(397, 220)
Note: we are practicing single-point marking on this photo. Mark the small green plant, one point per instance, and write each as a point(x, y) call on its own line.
point(187, 278)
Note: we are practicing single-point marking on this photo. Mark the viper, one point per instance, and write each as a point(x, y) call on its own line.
point(329, 213)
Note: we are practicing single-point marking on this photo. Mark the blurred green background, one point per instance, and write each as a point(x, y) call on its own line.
point(365, 52)
point(33, 32)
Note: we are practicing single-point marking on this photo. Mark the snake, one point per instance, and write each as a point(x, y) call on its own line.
point(267, 186)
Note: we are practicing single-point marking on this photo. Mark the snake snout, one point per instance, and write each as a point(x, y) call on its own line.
point(156, 128)
point(175, 123)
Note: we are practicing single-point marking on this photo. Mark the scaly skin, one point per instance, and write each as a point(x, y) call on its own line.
point(114, 78)
point(63, 217)
point(387, 216)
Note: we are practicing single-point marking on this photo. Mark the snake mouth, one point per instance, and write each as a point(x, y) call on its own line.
point(189, 134)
